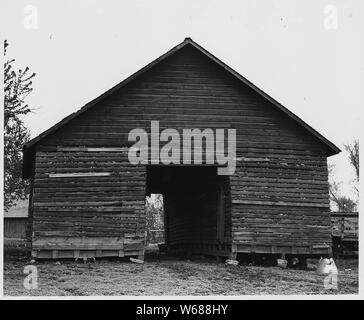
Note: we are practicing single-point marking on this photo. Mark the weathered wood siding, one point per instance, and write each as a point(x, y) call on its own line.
point(345, 225)
point(88, 195)
point(282, 202)
point(187, 90)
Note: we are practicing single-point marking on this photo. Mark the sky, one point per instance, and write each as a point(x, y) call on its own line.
point(308, 55)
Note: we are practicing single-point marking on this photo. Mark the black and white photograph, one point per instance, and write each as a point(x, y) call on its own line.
point(181, 150)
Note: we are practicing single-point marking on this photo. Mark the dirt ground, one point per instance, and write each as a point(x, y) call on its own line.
point(161, 275)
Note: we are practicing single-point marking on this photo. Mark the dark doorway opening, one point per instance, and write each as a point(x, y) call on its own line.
point(196, 207)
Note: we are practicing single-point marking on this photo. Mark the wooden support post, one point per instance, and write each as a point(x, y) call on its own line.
point(234, 252)
point(141, 255)
point(76, 254)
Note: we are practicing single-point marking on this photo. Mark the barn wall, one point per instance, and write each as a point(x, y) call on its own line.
point(186, 91)
point(280, 203)
point(189, 91)
point(103, 210)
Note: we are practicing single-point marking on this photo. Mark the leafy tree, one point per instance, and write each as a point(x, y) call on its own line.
point(155, 217)
point(333, 188)
point(353, 150)
point(339, 202)
point(345, 204)
point(17, 86)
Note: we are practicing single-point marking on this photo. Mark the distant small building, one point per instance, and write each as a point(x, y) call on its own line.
point(15, 221)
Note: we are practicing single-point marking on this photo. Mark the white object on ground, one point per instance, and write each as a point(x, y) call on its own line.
point(282, 263)
point(327, 266)
point(136, 260)
point(232, 262)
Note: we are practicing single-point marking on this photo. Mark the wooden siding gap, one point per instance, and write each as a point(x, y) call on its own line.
point(282, 203)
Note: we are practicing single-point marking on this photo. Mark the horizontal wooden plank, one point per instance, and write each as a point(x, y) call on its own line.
point(79, 174)
point(281, 203)
point(100, 149)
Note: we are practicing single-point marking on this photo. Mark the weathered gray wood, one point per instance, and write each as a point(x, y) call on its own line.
point(282, 203)
point(79, 174)
point(85, 187)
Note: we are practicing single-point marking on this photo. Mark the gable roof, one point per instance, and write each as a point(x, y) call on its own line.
point(29, 146)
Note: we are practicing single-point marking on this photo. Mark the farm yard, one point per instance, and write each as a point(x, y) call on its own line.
point(161, 275)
